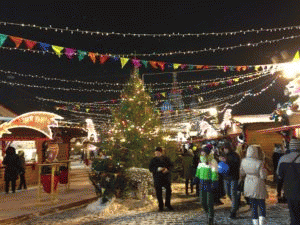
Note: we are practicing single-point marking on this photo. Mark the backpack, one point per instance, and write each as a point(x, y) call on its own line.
point(223, 168)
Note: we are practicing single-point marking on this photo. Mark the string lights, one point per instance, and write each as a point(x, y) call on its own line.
point(86, 32)
point(58, 88)
point(133, 55)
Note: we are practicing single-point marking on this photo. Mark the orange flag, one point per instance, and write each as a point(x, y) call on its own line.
point(92, 55)
point(153, 64)
point(161, 65)
point(16, 40)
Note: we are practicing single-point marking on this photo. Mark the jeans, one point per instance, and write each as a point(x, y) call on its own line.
point(207, 201)
point(294, 208)
point(262, 206)
point(231, 190)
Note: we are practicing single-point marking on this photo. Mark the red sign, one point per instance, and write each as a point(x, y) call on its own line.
point(40, 121)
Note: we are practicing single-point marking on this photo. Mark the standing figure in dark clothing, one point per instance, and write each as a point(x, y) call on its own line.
point(161, 167)
point(22, 171)
point(12, 167)
point(196, 160)
point(278, 153)
point(187, 162)
point(232, 159)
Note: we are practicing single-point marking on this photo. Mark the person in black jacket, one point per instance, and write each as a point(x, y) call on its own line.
point(278, 153)
point(161, 167)
point(12, 168)
point(231, 180)
point(289, 171)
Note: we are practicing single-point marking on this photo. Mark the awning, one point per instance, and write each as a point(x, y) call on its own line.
point(278, 129)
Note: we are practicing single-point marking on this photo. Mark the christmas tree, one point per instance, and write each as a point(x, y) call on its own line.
point(137, 124)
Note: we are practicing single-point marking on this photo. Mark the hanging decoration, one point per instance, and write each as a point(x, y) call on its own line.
point(124, 61)
point(17, 40)
point(92, 56)
point(57, 50)
point(30, 44)
point(3, 37)
point(165, 35)
point(70, 52)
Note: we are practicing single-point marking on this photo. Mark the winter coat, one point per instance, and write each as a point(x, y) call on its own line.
point(158, 176)
point(187, 161)
point(290, 174)
point(208, 175)
point(232, 159)
point(252, 167)
point(12, 165)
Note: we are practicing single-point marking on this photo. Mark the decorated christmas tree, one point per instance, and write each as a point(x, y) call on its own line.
point(136, 124)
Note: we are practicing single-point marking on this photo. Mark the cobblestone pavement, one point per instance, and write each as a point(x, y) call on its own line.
point(186, 211)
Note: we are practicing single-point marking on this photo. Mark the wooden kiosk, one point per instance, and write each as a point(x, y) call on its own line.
point(52, 142)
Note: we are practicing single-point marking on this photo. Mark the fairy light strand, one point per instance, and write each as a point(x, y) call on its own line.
point(166, 35)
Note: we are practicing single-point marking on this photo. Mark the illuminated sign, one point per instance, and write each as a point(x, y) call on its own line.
point(40, 121)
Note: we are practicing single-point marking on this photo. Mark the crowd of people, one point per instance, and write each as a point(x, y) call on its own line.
point(219, 169)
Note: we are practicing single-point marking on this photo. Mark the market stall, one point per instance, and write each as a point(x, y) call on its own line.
point(44, 139)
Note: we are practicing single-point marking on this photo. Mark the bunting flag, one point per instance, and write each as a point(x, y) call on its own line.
point(226, 68)
point(30, 44)
point(81, 54)
point(163, 94)
point(103, 58)
point(3, 38)
point(176, 66)
point(70, 52)
point(57, 50)
point(191, 67)
point(153, 64)
point(44, 46)
point(17, 40)
point(124, 61)
point(183, 66)
point(199, 67)
point(92, 56)
point(296, 57)
point(136, 63)
point(145, 63)
point(161, 65)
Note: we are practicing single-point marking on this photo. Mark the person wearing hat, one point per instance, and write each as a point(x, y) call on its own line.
point(161, 167)
point(207, 172)
point(288, 170)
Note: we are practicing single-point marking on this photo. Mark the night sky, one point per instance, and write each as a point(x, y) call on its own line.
point(155, 17)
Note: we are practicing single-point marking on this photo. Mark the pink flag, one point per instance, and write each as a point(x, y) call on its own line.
point(70, 52)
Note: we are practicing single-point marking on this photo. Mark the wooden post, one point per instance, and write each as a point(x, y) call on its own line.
point(39, 184)
point(52, 182)
point(69, 174)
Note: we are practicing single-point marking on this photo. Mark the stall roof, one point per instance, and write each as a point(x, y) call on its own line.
point(262, 118)
point(277, 129)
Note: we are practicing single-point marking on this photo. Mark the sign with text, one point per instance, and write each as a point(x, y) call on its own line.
point(39, 121)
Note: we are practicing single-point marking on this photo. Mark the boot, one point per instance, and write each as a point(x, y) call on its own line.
point(210, 221)
point(262, 220)
point(255, 222)
point(187, 191)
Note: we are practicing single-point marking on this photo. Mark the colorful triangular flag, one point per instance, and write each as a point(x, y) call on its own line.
point(123, 61)
point(70, 52)
point(103, 58)
point(17, 40)
point(30, 44)
point(44, 46)
point(296, 57)
point(81, 54)
point(3, 37)
point(57, 50)
point(92, 56)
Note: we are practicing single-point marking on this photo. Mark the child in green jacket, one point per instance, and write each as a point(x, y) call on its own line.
point(207, 172)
